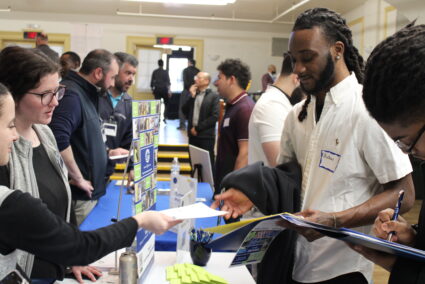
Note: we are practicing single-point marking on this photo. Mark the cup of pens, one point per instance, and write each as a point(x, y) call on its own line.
point(199, 253)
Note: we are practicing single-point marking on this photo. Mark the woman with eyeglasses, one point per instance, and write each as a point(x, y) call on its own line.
point(36, 165)
point(26, 223)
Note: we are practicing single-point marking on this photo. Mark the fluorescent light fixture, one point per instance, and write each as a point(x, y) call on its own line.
point(6, 10)
point(173, 47)
point(189, 2)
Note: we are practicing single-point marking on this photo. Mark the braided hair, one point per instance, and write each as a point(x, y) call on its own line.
point(335, 29)
point(394, 87)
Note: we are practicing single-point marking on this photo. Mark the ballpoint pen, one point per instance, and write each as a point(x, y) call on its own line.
point(396, 212)
point(220, 206)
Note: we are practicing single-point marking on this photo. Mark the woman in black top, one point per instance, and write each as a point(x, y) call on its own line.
point(27, 224)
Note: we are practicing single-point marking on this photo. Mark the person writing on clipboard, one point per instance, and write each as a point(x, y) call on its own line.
point(27, 224)
point(394, 95)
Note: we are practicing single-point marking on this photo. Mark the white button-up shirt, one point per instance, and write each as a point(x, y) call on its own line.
point(345, 158)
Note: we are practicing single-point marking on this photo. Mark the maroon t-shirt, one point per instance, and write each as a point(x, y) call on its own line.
point(234, 127)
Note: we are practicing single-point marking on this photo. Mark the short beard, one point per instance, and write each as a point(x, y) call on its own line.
point(119, 87)
point(101, 84)
point(326, 78)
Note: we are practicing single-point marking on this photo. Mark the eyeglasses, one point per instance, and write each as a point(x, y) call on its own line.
point(409, 148)
point(47, 97)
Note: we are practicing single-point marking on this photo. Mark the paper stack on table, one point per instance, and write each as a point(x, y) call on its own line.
point(193, 211)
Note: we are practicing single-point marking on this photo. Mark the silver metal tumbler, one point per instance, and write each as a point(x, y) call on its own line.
point(128, 268)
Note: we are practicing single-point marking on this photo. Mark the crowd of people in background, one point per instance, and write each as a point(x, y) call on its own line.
point(324, 118)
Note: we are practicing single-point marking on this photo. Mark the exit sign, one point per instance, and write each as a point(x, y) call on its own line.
point(30, 35)
point(164, 40)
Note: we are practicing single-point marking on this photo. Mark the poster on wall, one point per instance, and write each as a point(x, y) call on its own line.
point(145, 140)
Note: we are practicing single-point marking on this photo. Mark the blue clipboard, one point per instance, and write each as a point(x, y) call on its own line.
point(354, 237)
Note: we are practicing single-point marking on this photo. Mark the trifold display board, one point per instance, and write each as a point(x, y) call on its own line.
point(146, 119)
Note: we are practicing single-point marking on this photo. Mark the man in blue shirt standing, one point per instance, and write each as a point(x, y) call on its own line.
point(115, 107)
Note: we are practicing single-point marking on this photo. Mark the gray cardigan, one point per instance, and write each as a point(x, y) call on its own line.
point(22, 175)
point(7, 262)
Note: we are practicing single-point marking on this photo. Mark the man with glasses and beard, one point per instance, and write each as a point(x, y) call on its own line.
point(115, 107)
point(77, 129)
point(350, 168)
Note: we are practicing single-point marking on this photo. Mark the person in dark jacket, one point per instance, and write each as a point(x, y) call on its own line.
point(77, 129)
point(115, 107)
point(160, 85)
point(26, 223)
point(41, 43)
point(188, 75)
point(202, 112)
point(393, 93)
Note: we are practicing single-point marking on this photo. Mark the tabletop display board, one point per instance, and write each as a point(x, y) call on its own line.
point(146, 119)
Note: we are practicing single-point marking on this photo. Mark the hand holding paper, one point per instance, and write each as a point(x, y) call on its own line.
point(193, 211)
point(234, 201)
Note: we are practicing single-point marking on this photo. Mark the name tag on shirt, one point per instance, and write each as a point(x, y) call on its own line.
point(110, 129)
point(226, 122)
point(329, 160)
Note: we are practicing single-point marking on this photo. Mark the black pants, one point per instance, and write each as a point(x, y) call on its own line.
point(162, 93)
point(350, 278)
point(206, 144)
point(184, 96)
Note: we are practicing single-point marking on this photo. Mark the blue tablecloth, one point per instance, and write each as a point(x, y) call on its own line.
point(107, 207)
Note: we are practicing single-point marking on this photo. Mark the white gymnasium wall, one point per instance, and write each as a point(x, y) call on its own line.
point(252, 47)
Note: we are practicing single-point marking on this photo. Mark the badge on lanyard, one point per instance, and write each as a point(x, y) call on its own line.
point(226, 122)
point(110, 128)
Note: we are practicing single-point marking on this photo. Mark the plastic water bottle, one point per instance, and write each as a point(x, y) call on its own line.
point(175, 171)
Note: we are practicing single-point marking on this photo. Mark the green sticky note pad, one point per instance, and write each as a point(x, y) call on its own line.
point(186, 280)
point(175, 281)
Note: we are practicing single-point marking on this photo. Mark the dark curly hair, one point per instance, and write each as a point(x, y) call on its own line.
point(235, 67)
point(394, 86)
point(335, 29)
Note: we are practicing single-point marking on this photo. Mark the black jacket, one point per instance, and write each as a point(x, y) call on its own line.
point(27, 224)
point(272, 190)
point(408, 271)
point(208, 115)
point(189, 74)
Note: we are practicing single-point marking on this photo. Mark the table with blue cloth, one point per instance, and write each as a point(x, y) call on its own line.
point(107, 206)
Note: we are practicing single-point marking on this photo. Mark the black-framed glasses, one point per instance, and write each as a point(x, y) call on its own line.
point(47, 97)
point(409, 148)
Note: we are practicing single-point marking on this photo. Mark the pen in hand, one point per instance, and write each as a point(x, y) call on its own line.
point(220, 206)
point(396, 212)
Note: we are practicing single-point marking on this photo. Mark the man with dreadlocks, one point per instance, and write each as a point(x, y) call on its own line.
point(351, 170)
point(393, 93)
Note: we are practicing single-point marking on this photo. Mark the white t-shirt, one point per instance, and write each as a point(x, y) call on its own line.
point(266, 122)
point(345, 158)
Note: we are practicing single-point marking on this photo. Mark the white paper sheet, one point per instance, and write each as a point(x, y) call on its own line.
point(193, 211)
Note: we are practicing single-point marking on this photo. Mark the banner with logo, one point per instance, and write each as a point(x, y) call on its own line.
point(146, 119)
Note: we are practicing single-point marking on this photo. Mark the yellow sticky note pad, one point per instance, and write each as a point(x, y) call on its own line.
point(186, 280)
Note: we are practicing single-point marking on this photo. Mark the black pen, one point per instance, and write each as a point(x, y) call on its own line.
point(396, 212)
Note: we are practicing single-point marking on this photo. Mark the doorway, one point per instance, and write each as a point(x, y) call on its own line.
point(177, 61)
